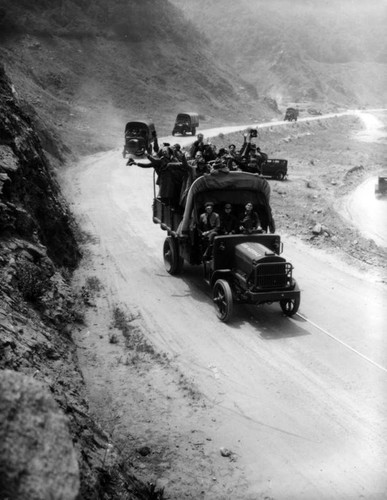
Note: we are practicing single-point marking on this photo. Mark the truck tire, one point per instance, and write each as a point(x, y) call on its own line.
point(193, 131)
point(290, 306)
point(222, 297)
point(280, 176)
point(172, 261)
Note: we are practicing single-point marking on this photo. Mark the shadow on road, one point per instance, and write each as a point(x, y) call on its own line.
point(267, 319)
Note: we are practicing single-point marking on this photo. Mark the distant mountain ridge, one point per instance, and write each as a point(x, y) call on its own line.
point(331, 52)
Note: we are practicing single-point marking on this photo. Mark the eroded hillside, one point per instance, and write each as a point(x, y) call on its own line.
point(50, 447)
point(330, 53)
point(87, 68)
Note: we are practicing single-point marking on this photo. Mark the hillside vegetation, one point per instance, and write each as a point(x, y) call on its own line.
point(334, 53)
point(86, 68)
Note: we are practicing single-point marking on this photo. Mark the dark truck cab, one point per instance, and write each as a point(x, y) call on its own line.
point(244, 268)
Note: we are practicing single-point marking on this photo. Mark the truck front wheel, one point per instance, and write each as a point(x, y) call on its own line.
point(290, 306)
point(222, 297)
point(172, 260)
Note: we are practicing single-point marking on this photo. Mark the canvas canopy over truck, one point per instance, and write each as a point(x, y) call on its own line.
point(186, 123)
point(244, 268)
point(140, 138)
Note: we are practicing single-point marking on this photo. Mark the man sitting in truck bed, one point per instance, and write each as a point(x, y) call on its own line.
point(229, 223)
point(209, 224)
point(250, 221)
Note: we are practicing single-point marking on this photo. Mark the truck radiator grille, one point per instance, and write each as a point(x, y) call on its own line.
point(273, 275)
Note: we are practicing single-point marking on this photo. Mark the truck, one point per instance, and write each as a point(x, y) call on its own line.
point(381, 186)
point(291, 114)
point(244, 268)
point(274, 169)
point(140, 139)
point(186, 123)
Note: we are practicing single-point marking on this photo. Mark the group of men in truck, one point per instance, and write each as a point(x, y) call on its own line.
point(177, 169)
point(249, 158)
point(212, 224)
point(203, 157)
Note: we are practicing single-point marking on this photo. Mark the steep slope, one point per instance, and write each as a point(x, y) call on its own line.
point(49, 446)
point(332, 53)
point(87, 68)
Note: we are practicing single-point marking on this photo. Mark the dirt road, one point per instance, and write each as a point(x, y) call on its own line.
point(300, 403)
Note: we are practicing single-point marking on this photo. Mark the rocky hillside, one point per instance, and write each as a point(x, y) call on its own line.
point(333, 54)
point(49, 446)
point(85, 69)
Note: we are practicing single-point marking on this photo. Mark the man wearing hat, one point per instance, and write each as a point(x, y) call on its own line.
point(209, 224)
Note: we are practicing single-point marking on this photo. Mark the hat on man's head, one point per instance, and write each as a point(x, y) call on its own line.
point(209, 204)
point(228, 205)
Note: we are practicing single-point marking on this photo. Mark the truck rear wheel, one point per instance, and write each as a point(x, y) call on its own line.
point(172, 261)
point(222, 297)
point(290, 306)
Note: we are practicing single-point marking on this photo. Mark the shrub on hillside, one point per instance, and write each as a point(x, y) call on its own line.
point(32, 281)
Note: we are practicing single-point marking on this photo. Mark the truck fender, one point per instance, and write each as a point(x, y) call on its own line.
point(224, 274)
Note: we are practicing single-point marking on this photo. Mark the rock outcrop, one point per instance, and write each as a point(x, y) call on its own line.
point(31, 204)
point(37, 456)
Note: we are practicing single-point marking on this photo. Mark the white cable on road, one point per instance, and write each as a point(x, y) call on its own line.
point(342, 343)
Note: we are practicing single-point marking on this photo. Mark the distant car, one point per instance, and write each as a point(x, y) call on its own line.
point(291, 114)
point(313, 111)
point(140, 138)
point(274, 168)
point(381, 186)
point(186, 123)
